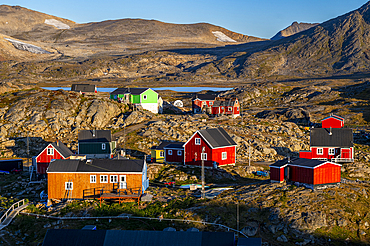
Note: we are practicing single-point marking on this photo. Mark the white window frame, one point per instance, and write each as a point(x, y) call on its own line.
point(197, 141)
point(320, 151)
point(230, 108)
point(224, 155)
point(103, 146)
point(332, 151)
point(210, 103)
point(114, 179)
point(92, 179)
point(103, 179)
point(170, 152)
point(50, 151)
point(69, 185)
point(203, 156)
point(161, 154)
point(145, 97)
point(122, 184)
point(179, 152)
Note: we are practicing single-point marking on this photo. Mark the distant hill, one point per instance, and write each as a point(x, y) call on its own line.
point(338, 46)
point(294, 28)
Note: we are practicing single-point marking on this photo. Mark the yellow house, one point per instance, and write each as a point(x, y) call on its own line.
point(157, 152)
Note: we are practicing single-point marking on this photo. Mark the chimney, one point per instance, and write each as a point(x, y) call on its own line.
point(94, 133)
point(57, 142)
point(330, 133)
point(288, 159)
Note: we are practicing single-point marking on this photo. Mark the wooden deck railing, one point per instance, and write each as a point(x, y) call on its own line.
point(13, 207)
point(98, 192)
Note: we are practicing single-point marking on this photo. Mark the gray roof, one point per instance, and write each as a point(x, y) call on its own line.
point(217, 137)
point(64, 237)
point(161, 145)
point(94, 136)
point(340, 137)
point(133, 91)
point(205, 97)
point(83, 87)
point(62, 149)
point(175, 145)
point(249, 241)
point(96, 165)
point(225, 103)
point(310, 163)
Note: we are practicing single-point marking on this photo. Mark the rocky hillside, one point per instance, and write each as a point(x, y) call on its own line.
point(294, 28)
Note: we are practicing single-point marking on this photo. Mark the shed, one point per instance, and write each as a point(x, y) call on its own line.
point(157, 152)
point(9, 165)
point(84, 88)
point(308, 171)
point(277, 171)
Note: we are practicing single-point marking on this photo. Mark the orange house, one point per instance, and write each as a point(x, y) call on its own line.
point(86, 179)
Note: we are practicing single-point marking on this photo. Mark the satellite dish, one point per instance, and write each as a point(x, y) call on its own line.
point(178, 103)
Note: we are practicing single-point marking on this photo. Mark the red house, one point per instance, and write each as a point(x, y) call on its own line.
point(174, 153)
point(310, 172)
point(53, 151)
point(203, 102)
point(226, 106)
point(333, 144)
point(333, 121)
point(219, 148)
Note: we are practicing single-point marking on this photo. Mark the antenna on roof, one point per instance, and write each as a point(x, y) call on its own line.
point(330, 133)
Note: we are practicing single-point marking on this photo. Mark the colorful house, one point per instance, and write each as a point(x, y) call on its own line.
point(157, 152)
point(332, 144)
point(203, 103)
point(96, 144)
point(333, 121)
point(226, 106)
point(51, 152)
point(174, 152)
point(98, 178)
point(213, 145)
point(145, 98)
point(307, 171)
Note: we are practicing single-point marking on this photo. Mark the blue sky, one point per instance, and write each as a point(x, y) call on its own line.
point(260, 18)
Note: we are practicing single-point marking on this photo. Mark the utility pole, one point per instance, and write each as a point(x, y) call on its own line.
point(202, 157)
point(249, 154)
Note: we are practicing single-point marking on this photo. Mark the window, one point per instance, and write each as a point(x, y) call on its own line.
point(210, 103)
point(103, 146)
point(179, 152)
point(161, 154)
point(230, 108)
point(319, 151)
point(331, 151)
point(103, 178)
point(92, 178)
point(69, 185)
point(114, 179)
point(224, 155)
point(145, 97)
point(197, 141)
point(50, 151)
point(204, 156)
point(170, 152)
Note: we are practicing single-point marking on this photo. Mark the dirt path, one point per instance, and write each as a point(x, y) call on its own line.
point(132, 128)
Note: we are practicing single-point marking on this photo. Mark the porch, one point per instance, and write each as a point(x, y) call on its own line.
point(113, 194)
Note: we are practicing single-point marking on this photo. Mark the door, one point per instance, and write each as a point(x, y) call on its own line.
point(346, 153)
point(122, 182)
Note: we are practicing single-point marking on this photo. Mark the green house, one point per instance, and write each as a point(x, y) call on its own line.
point(96, 144)
point(144, 97)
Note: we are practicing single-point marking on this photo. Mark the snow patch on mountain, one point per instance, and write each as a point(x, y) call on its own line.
point(57, 24)
point(27, 47)
point(222, 37)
